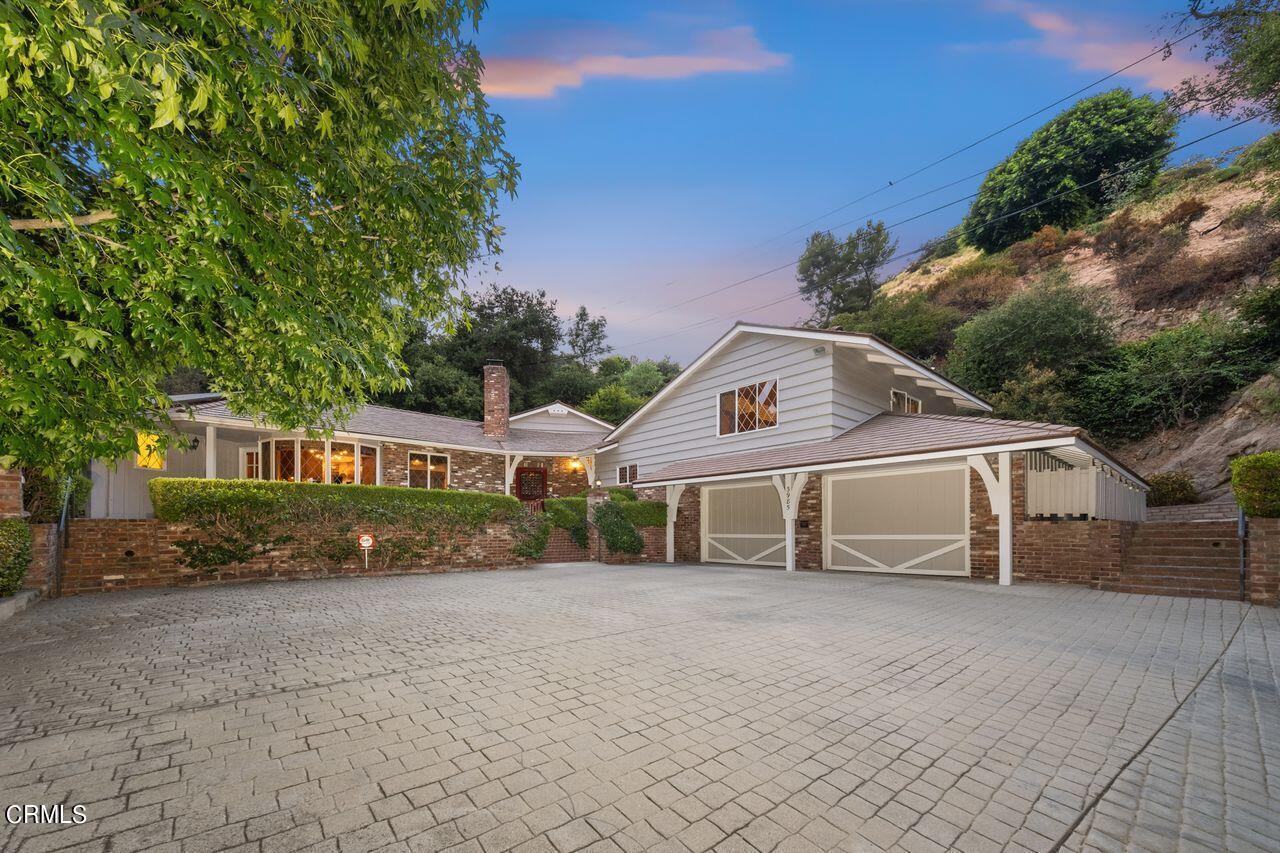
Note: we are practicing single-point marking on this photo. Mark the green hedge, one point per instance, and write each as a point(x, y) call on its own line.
point(569, 514)
point(1255, 480)
point(241, 519)
point(645, 513)
point(1171, 488)
point(15, 554)
point(619, 534)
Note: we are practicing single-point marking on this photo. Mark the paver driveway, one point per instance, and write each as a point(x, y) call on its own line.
point(651, 707)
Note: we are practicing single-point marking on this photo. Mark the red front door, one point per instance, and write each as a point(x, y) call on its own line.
point(531, 486)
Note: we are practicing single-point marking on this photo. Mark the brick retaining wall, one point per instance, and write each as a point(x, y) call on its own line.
point(107, 554)
point(44, 556)
point(562, 549)
point(1264, 561)
point(655, 547)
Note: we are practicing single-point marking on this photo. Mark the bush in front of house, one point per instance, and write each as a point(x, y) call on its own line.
point(1255, 480)
point(619, 534)
point(645, 513)
point(241, 519)
point(569, 514)
point(15, 554)
point(1171, 488)
point(42, 496)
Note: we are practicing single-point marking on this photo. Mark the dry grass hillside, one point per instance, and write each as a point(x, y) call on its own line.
point(1202, 236)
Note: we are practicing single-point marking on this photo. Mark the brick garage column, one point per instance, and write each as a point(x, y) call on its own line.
point(1264, 561)
point(11, 493)
point(689, 526)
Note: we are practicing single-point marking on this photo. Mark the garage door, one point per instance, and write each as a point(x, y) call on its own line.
point(914, 522)
point(743, 524)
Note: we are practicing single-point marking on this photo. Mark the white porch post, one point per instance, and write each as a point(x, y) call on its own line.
point(589, 465)
point(210, 452)
point(513, 462)
point(789, 487)
point(1000, 493)
point(673, 507)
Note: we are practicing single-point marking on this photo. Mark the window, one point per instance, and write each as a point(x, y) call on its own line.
point(342, 462)
point(312, 465)
point(368, 465)
point(249, 467)
point(749, 408)
point(627, 474)
point(901, 401)
point(428, 471)
point(149, 455)
point(264, 459)
point(286, 461)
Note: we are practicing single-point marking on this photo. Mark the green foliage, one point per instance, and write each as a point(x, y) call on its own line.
point(585, 338)
point(937, 248)
point(839, 276)
point(271, 193)
point(1255, 480)
point(976, 284)
point(531, 531)
point(242, 519)
point(909, 321)
point(1242, 37)
point(621, 493)
point(569, 514)
point(15, 554)
point(616, 529)
point(1261, 155)
point(568, 382)
point(612, 403)
point(42, 496)
point(645, 513)
point(1051, 326)
point(1171, 488)
point(1168, 379)
point(1034, 394)
point(1093, 138)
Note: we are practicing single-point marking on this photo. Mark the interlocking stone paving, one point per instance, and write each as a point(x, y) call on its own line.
point(600, 708)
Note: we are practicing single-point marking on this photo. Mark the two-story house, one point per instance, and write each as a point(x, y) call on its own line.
point(815, 449)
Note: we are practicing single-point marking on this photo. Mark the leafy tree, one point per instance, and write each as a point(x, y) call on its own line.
point(1050, 326)
point(1243, 36)
point(436, 386)
point(271, 193)
point(668, 368)
point(1035, 394)
point(612, 367)
point(1096, 137)
point(612, 403)
point(586, 338)
point(644, 379)
point(909, 321)
point(839, 276)
point(569, 382)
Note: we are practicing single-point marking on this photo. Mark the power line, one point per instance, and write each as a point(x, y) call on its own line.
point(1130, 167)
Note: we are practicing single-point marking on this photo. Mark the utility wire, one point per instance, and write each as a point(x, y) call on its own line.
point(1128, 168)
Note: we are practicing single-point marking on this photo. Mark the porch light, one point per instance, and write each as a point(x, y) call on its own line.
point(575, 463)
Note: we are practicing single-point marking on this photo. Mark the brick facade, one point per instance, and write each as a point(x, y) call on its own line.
point(1264, 561)
point(497, 400)
point(689, 526)
point(809, 526)
point(108, 554)
point(483, 472)
point(562, 549)
point(11, 493)
point(564, 478)
point(44, 556)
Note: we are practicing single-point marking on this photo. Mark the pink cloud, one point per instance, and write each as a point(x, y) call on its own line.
point(1095, 45)
point(731, 50)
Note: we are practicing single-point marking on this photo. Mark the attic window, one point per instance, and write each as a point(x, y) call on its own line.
point(749, 408)
point(904, 403)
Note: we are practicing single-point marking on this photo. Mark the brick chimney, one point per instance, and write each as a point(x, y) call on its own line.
point(497, 400)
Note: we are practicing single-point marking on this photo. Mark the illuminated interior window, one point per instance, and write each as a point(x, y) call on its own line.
point(901, 401)
point(368, 465)
point(342, 462)
point(428, 471)
point(149, 454)
point(749, 408)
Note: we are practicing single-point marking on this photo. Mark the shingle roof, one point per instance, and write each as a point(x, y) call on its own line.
point(883, 435)
point(388, 423)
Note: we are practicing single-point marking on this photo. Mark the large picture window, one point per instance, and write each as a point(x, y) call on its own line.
point(342, 462)
point(428, 471)
point(749, 408)
point(368, 465)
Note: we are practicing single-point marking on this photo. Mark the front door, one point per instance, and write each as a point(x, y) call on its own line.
point(531, 486)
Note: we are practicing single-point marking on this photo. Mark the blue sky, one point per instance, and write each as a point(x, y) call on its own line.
point(667, 150)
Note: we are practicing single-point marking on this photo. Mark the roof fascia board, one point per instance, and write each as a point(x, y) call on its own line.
point(1035, 444)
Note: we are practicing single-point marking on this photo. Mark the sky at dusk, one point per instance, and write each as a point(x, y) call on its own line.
point(668, 150)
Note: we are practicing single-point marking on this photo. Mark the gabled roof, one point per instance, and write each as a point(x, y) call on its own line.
point(884, 436)
point(860, 340)
point(571, 409)
point(388, 424)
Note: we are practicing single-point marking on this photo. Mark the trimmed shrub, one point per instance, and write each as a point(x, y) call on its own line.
point(621, 493)
point(1171, 488)
point(15, 554)
point(1255, 480)
point(241, 519)
point(619, 534)
point(645, 513)
point(569, 514)
point(42, 496)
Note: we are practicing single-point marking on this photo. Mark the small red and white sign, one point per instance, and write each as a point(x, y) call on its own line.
point(366, 541)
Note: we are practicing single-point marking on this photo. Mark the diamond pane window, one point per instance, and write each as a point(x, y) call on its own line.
point(748, 408)
point(342, 462)
point(312, 462)
point(428, 471)
point(368, 465)
point(286, 462)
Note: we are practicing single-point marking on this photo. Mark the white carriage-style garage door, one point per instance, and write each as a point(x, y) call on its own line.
point(743, 525)
point(910, 521)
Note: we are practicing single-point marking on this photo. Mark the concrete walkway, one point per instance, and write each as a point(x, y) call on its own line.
point(632, 708)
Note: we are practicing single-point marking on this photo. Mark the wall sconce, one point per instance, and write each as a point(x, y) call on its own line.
point(195, 443)
point(575, 463)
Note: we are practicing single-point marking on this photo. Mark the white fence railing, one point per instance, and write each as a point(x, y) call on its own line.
point(1088, 492)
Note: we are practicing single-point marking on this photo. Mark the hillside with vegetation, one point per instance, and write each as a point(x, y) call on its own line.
point(1153, 320)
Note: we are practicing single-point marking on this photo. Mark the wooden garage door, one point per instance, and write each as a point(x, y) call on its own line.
point(743, 524)
point(914, 522)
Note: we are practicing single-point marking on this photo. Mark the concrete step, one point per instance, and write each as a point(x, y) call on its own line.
point(1223, 593)
point(1219, 558)
point(1187, 572)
